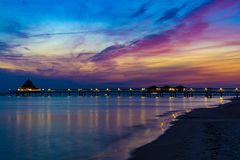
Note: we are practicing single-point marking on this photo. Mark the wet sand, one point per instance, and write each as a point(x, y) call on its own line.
point(203, 134)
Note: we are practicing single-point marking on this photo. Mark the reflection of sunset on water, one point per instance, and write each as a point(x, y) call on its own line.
point(80, 116)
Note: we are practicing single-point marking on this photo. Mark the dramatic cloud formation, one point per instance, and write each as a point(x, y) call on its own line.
point(122, 43)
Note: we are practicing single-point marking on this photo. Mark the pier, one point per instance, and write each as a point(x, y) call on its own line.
point(206, 92)
point(29, 89)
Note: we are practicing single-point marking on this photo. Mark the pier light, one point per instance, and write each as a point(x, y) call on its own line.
point(191, 89)
point(221, 89)
point(49, 89)
point(205, 89)
point(91, 89)
point(171, 89)
point(9, 89)
point(130, 89)
point(162, 124)
point(107, 89)
point(236, 89)
point(79, 89)
point(119, 89)
point(174, 115)
point(97, 89)
point(42, 89)
point(143, 89)
point(69, 89)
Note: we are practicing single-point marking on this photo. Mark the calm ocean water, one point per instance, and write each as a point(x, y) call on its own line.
point(82, 128)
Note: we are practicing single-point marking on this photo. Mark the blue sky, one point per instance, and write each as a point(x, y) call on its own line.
point(120, 43)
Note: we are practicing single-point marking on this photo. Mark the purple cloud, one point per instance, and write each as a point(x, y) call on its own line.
point(157, 43)
point(111, 51)
point(189, 29)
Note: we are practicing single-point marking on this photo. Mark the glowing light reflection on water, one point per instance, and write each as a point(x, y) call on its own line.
point(86, 127)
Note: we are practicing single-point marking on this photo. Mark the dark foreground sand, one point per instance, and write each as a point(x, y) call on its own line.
point(203, 134)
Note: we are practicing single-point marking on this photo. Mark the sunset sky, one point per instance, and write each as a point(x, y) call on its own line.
point(125, 43)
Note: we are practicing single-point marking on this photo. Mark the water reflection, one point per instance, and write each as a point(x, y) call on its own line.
point(206, 101)
point(221, 100)
point(107, 119)
point(170, 104)
point(130, 116)
point(85, 126)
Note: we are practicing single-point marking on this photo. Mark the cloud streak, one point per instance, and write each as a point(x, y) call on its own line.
point(171, 14)
point(58, 34)
point(141, 10)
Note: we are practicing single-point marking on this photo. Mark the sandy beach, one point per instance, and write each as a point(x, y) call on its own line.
point(203, 134)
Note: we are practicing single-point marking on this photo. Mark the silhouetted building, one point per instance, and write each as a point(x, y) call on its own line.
point(28, 86)
point(153, 89)
point(181, 88)
point(166, 88)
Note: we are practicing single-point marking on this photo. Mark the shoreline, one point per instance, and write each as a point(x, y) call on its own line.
point(212, 133)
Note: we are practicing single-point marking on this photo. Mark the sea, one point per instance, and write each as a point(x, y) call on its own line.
point(87, 128)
